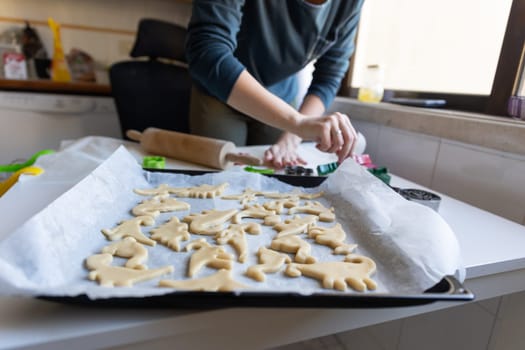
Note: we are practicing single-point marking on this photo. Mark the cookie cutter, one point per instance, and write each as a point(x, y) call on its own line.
point(423, 197)
point(7, 184)
point(257, 170)
point(325, 169)
point(9, 168)
point(298, 170)
point(154, 162)
point(382, 174)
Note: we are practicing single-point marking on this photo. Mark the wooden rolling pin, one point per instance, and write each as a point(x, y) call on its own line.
point(206, 151)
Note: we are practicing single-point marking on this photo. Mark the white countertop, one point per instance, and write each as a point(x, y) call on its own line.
point(492, 248)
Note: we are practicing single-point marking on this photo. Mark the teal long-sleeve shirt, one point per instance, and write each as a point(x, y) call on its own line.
point(272, 40)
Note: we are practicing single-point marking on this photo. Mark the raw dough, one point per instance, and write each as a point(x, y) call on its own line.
point(235, 235)
point(161, 203)
point(221, 281)
point(248, 195)
point(203, 191)
point(293, 195)
point(355, 272)
point(207, 255)
point(161, 189)
point(334, 237)
point(279, 205)
point(315, 208)
point(209, 222)
point(129, 248)
point(257, 211)
point(294, 244)
point(270, 261)
point(171, 233)
point(118, 276)
point(131, 228)
point(295, 226)
point(272, 220)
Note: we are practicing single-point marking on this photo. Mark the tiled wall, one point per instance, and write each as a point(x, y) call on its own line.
point(488, 179)
point(105, 47)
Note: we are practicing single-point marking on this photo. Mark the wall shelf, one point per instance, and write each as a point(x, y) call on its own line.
point(48, 86)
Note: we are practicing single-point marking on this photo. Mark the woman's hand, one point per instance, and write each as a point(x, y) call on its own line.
point(333, 133)
point(284, 152)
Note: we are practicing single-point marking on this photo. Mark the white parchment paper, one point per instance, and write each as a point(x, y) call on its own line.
point(411, 244)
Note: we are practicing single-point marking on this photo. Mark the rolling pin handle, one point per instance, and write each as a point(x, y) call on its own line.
point(134, 135)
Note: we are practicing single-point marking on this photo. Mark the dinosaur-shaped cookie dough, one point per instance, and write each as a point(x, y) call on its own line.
point(203, 191)
point(129, 248)
point(248, 195)
point(171, 233)
point(257, 211)
point(118, 276)
point(270, 261)
point(294, 244)
point(207, 255)
point(295, 226)
point(292, 195)
point(131, 228)
point(161, 203)
point(279, 204)
point(235, 235)
point(159, 190)
point(221, 281)
point(315, 208)
point(354, 271)
point(209, 222)
point(334, 237)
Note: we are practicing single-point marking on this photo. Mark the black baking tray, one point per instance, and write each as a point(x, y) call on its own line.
point(448, 289)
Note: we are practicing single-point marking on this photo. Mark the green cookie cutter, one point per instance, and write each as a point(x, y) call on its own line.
point(10, 168)
point(154, 162)
point(252, 169)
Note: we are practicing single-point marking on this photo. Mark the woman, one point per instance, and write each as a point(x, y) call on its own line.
point(243, 57)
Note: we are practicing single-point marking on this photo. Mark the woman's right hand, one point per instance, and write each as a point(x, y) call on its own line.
point(333, 133)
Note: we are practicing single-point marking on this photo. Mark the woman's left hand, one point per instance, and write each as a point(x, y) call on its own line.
point(333, 133)
point(284, 152)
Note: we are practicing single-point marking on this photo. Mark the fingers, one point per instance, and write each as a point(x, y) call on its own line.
point(349, 138)
point(279, 156)
point(273, 157)
point(337, 135)
point(268, 155)
point(324, 141)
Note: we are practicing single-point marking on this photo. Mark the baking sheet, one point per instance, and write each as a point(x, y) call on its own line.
point(411, 244)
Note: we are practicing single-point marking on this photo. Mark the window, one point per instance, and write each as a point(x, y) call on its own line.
point(457, 49)
point(519, 88)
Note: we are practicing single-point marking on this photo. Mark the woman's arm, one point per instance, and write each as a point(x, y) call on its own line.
point(284, 151)
point(333, 132)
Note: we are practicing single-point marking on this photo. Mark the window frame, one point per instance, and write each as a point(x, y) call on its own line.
point(503, 83)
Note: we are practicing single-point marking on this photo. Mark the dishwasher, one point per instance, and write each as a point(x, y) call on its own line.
point(30, 122)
